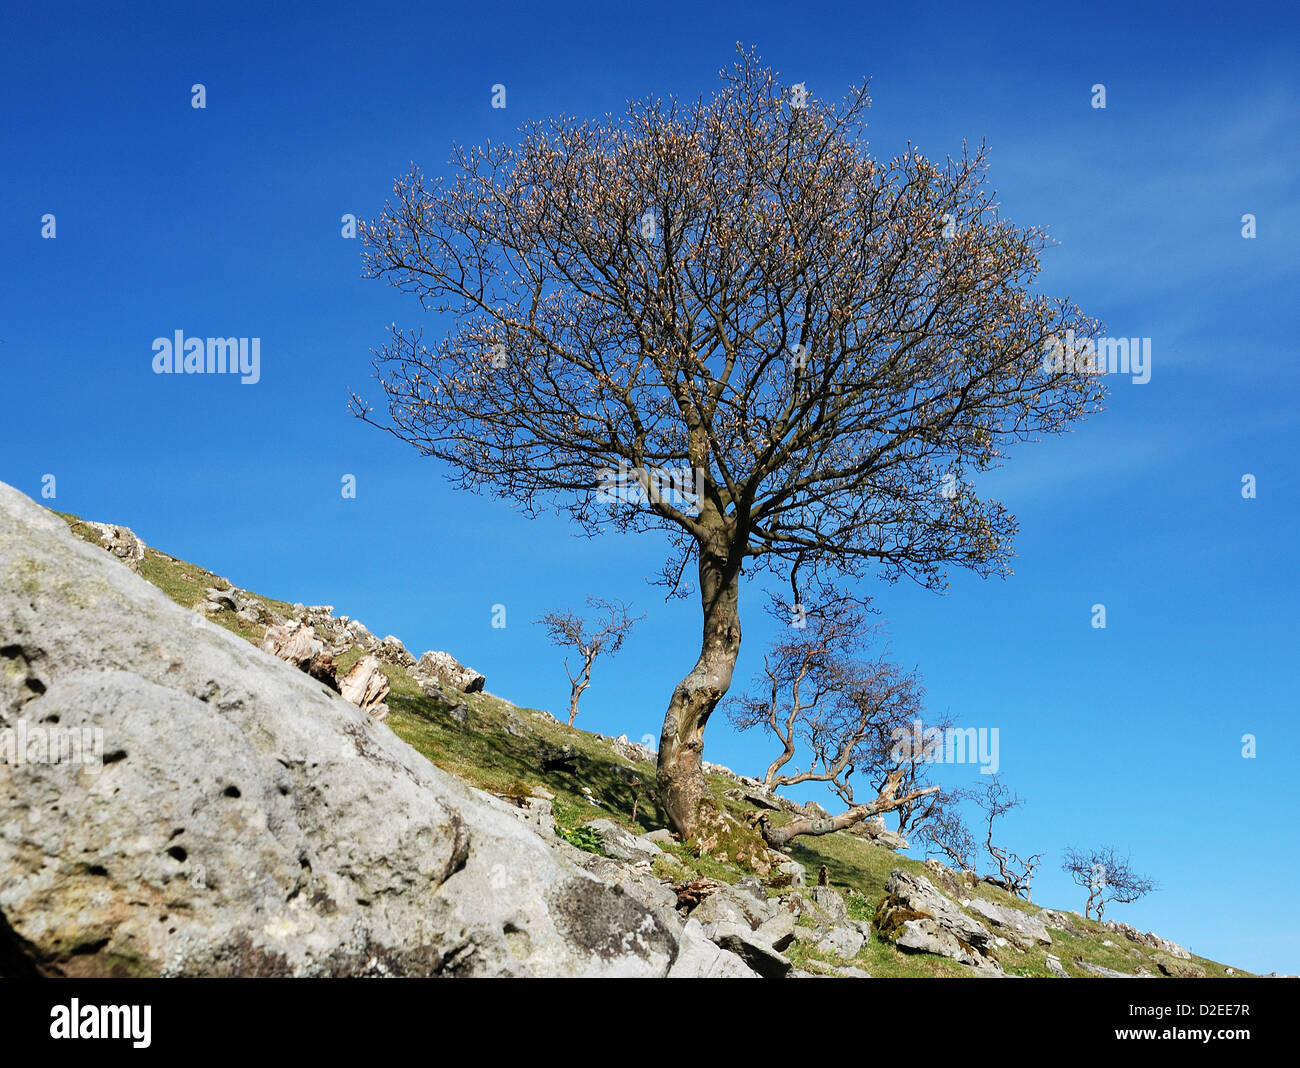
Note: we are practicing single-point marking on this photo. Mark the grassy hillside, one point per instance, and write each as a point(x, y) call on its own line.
point(498, 747)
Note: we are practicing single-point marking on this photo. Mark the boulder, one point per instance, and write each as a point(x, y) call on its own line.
point(392, 651)
point(1178, 968)
point(622, 844)
point(633, 751)
point(245, 820)
point(1152, 941)
point(750, 947)
point(366, 686)
point(122, 542)
point(744, 903)
point(831, 902)
point(446, 670)
point(1021, 927)
point(842, 941)
point(296, 643)
point(917, 918)
point(874, 831)
point(1060, 921)
point(700, 958)
point(779, 931)
point(795, 870)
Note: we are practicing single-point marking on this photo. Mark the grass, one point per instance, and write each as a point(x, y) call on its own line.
point(499, 747)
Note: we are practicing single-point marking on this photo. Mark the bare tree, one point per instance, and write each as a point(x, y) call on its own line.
point(810, 347)
point(604, 635)
point(945, 832)
point(841, 710)
point(1015, 874)
point(1107, 877)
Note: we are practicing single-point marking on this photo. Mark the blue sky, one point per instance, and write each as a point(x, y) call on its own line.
point(226, 221)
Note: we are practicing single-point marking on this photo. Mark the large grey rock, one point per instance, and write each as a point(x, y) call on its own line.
point(1056, 968)
point(842, 941)
point(875, 831)
point(831, 902)
point(622, 844)
point(245, 819)
point(700, 958)
point(632, 879)
point(916, 917)
point(448, 671)
point(122, 542)
point(751, 947)
point(744, 903)
point(779, 931)
point(792, 868)
point(1022, 928)
point(1153, 941)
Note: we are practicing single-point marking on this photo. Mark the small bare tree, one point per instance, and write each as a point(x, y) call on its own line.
point(1015, 874)
point(604, 635)
point(945, 833)
point(843, 711)
point(1107, 877)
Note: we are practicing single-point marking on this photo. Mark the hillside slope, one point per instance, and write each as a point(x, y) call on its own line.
point(524, 754)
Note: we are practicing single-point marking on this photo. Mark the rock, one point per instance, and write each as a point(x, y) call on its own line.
point(392, 651)
point(795, 870)
point(691, 893)
point(1056, 968)
point(296, 643)
point(1097, 969)
point(634, 751)
point(245, 820)
point(366, 686)
point(122, 542)
point(745, 903)
point(779, 931)
point(750, 947)
point(1177, 968)
point(916, 917)
point(539, 814)
point(227, 598)
point(815, 811)
point(661, 836)
point(459, 712)
point(1150, 940)
point(874, 831)
point(557, 757)
point(1060, 921)
point(1025, 930)
point(842, 941)
point(630, 879)
point(622, 844)
point(699, 958)
point(447, 670)
point(831, 902)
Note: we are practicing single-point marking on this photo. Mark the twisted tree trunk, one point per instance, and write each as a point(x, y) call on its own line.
point(681, 743)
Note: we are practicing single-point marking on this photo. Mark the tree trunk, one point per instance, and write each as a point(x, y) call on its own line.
point(780, 837)
point(681, 743)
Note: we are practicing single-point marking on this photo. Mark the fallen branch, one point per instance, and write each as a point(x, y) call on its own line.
point(778, 837)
